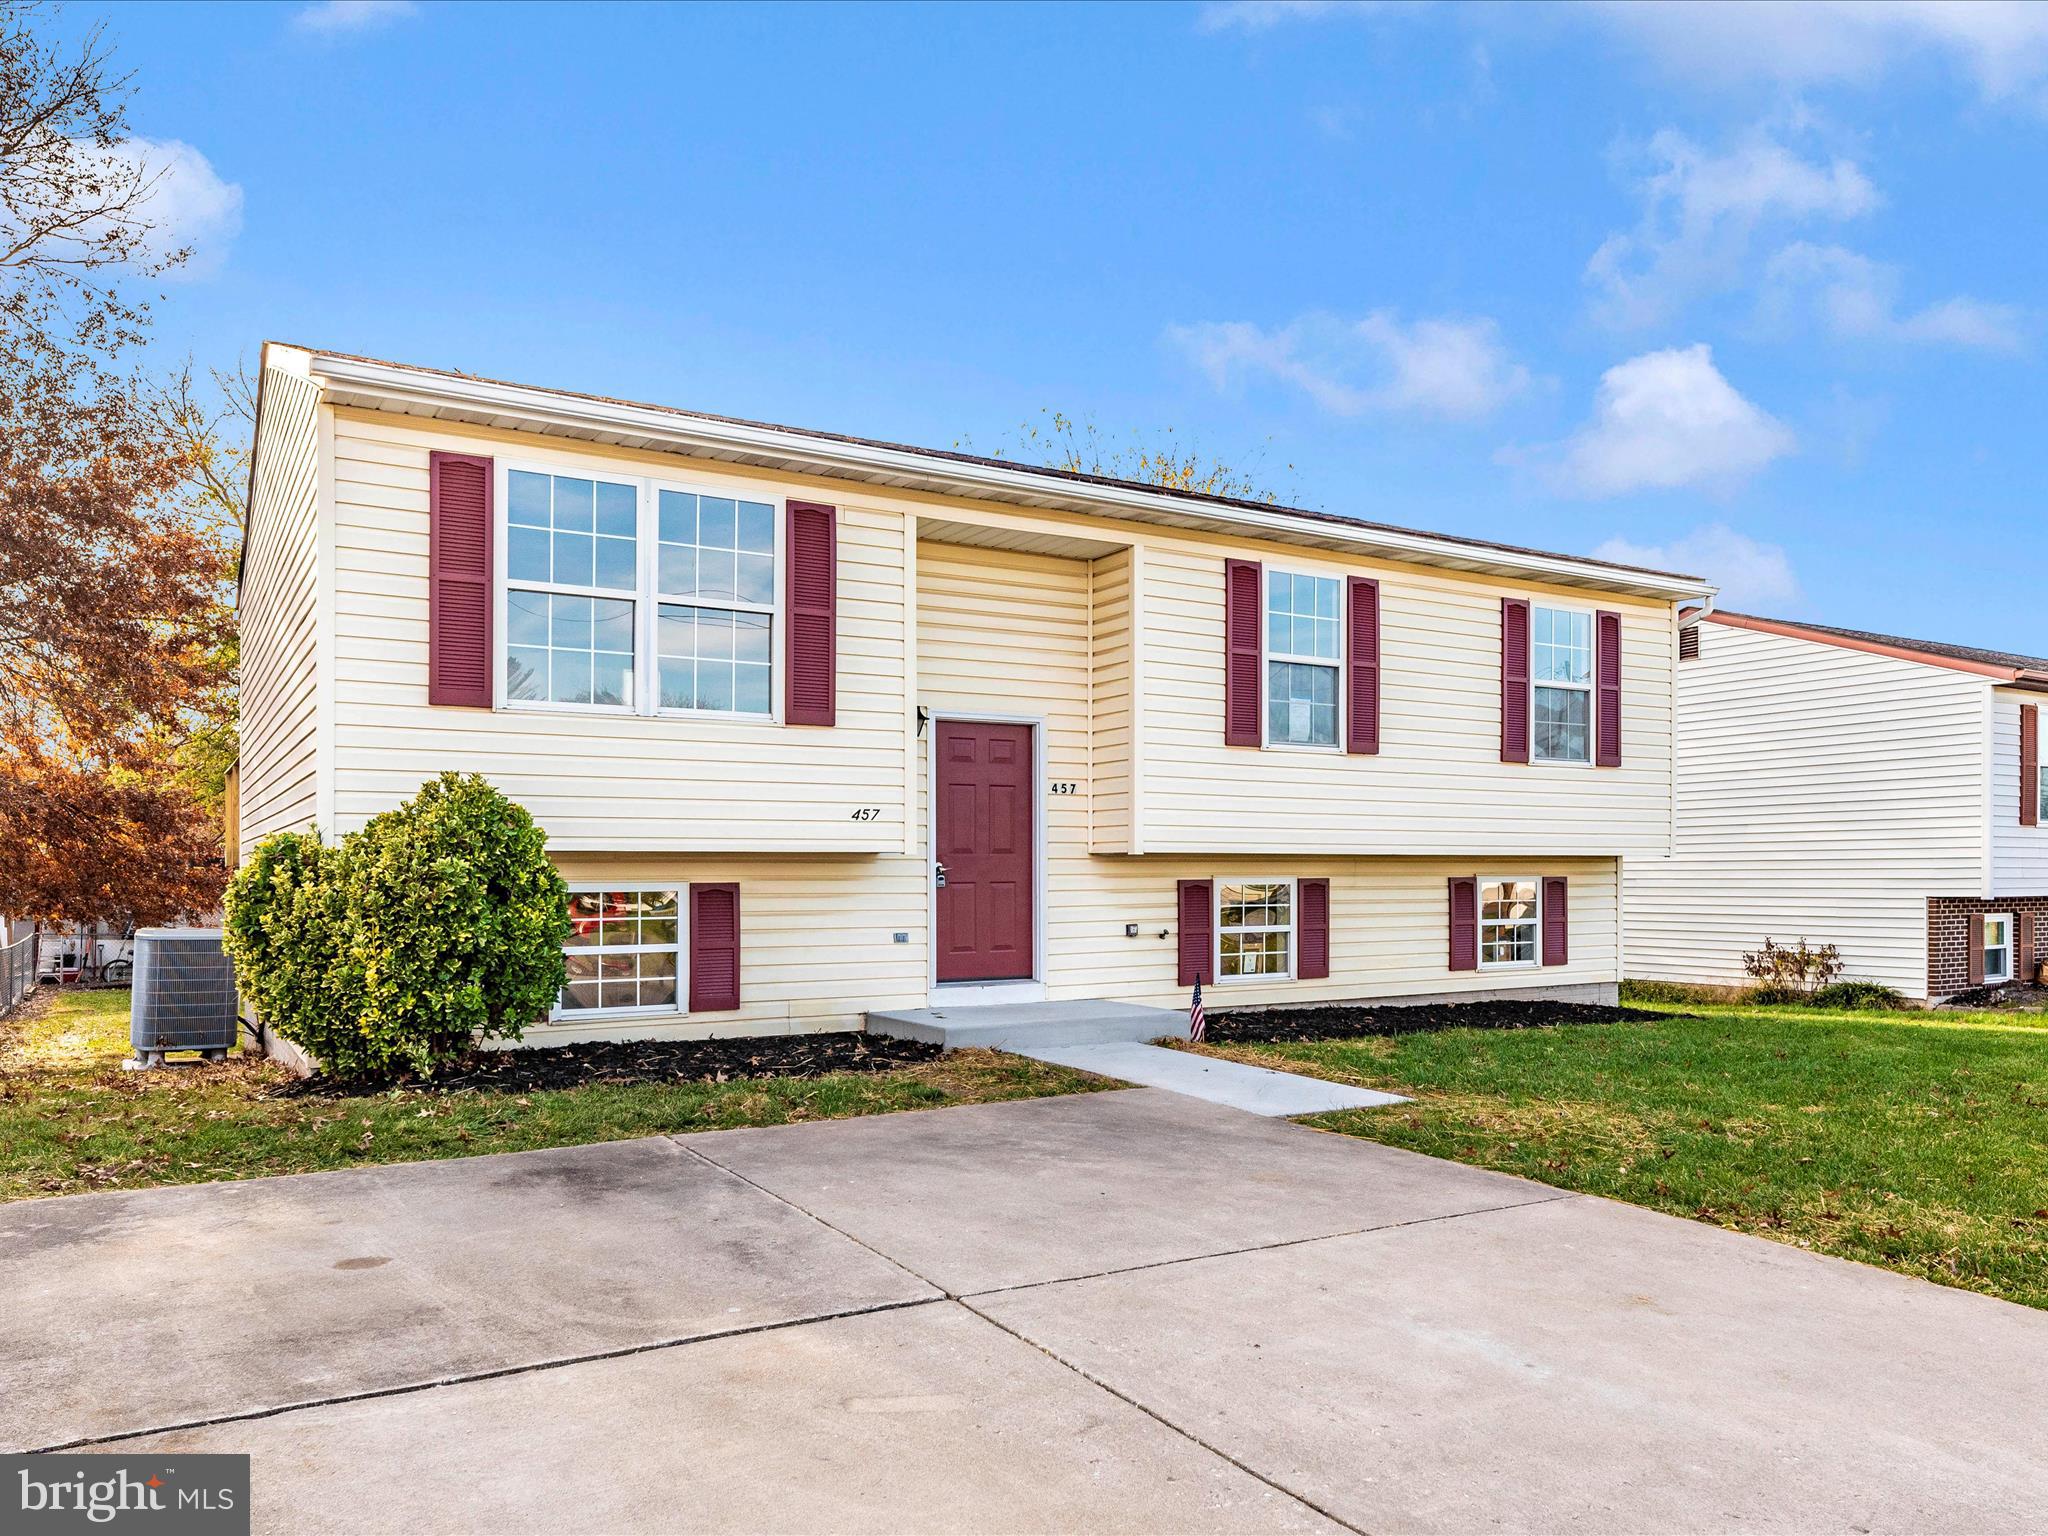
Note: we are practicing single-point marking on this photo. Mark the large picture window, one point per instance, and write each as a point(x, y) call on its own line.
point(1255, 930)
point(624, 951)
point(1561, 658)
point(1508, 930)
point(628, 596)
point(1302, 659)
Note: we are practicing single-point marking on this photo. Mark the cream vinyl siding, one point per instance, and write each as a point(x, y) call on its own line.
point(1824, 794)
point(1112, 702)
point(1003, 634)
point(277, 609)
point(595, 780)
point(817, 942)
point(1437, 784)
point(2019, 855)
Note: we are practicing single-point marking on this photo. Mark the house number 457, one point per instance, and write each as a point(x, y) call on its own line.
point(1065, 787)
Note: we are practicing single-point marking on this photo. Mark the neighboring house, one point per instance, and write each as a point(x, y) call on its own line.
point(817, 725)
point(1878, 794)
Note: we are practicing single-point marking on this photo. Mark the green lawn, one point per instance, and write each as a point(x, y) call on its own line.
point(71, 1120)
point(1918, 1141)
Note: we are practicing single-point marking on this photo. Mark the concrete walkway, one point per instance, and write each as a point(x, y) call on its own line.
point(1119, 1311)
point(1255, 1090)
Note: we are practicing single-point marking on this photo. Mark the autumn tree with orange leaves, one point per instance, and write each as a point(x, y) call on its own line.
point(113, 620)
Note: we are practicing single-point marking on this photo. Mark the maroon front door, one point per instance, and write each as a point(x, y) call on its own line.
point(985, 781)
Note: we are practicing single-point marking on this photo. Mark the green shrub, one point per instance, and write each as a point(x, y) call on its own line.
point(437, 925)
point(1858, 995)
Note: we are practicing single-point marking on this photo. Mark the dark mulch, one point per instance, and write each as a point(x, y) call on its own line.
point(650, 1061)
point(1344, 1021)
point(2017, 996)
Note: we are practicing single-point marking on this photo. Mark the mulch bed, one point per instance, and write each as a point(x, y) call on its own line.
point(1346, 1021)
point(649, 1061)
point(2013, 996)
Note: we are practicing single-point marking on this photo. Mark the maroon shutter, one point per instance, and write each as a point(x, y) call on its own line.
point(812, 622)
point(459, 579)
point(1465, 925)
point(2023, 941)
point(1241, 624)
point(1514, 680)
point(1362, 661)
point(2030, 765)
point(1974, 933)
point(714, 947)
point(1689, 643)
point(1314, 961)
point(1606, 689)
point(1557, 925)
point(1195, 929)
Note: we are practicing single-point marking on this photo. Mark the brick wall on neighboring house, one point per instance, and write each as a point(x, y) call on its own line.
point(1948, 937)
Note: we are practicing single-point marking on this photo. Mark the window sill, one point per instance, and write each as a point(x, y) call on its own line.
point(1332, 750)
point(611, 1016)
point(621, 712)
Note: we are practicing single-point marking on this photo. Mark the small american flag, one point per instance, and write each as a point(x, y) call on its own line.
point(1197, 1025)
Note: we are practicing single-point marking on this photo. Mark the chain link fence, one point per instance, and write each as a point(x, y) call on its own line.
point(17, 971)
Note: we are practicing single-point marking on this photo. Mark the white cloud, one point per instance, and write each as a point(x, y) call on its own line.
point(332, 18)
point(2000, 45)
point(1437, 367)
point(1264, 15)
point(187, 203)
point(1857, 298)
point(1749, 574)
point(1701, 212)
point(1662, 421)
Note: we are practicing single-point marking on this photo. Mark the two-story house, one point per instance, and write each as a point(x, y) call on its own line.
point(818, 725)
point(1878, 794)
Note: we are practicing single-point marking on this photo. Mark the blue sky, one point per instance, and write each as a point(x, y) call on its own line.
point(1756, 292)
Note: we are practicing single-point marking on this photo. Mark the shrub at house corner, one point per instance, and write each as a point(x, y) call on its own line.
point(437, 925)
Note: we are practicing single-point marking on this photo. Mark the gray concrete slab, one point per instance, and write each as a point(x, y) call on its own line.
point(1579, 1366)
point(137, 1310)
point(1255, 1090)
point(927, 1419)
point(993, 1195)
point(1008, 1026)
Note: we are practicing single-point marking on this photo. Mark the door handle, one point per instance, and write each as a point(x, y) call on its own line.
point(939, 872)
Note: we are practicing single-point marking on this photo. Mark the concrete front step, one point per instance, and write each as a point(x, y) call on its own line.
point(1026, 1026)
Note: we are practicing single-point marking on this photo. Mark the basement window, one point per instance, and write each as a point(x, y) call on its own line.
point(1997, 947)
point(1255, 930)
point(624, 952)
point(1508, 922)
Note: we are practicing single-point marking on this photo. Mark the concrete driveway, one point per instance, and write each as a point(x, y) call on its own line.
point(1123, 1311)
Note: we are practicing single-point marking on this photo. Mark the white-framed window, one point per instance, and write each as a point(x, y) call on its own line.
point(715, 580)
point(1561, 676)
point(1997, 947)
point(1304, 621)
point(572, 581)
point(1510, 932)
point(640, 596)
point(1254, 930)
point(2041, 795)
point(624, 952)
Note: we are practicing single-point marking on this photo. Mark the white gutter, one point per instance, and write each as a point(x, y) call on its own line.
point(828, 456)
